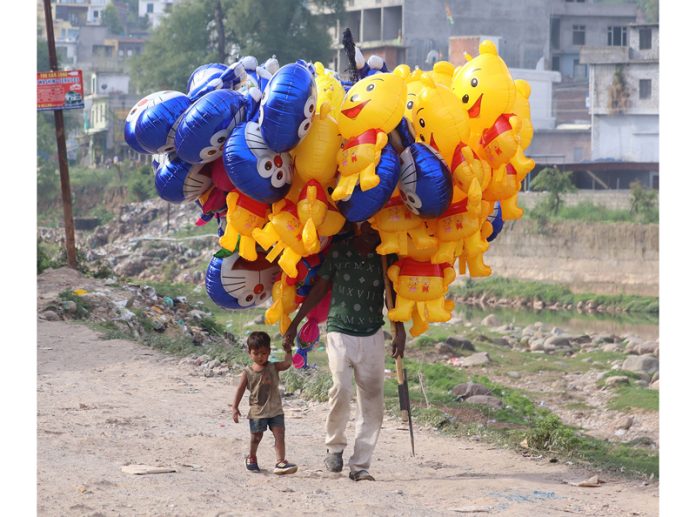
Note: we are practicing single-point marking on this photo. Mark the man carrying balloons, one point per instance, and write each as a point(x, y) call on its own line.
point(353, 272)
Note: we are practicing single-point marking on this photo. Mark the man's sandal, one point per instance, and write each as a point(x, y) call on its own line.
point(251, 464)
point(361, 475)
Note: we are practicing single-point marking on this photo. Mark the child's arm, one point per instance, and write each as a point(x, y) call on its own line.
point(238, 397)
point(287, 361)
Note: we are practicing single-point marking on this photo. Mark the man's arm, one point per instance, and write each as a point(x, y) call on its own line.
point(238, 397)
point(316, 294)
point(399, 340)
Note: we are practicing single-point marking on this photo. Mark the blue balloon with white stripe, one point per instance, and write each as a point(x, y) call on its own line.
point(151, 124)
point(425, 181)
point(177, 181)
point(234, 283)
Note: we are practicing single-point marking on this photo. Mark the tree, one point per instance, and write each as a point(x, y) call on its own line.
point(191, 35)
point(556, 183)
point(112, 20)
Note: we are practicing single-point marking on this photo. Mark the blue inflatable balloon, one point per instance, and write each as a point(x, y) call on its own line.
point(205, 126)
point(496, 220)
point(425, 181)
point(287, 107)
point(201, 76)
point(253, 168)
point(360, 206)
point(151, 123)
point(177, 180)
point(235, 283)
point(402, 136)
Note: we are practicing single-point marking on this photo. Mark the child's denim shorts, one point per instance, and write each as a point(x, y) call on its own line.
point(258, 425)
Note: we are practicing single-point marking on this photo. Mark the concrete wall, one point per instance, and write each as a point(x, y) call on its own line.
point(632, 138)
point(560, 146)
point(601, 258)
point(602, 76)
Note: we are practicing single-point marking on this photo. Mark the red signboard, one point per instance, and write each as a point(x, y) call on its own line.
point(61, 90)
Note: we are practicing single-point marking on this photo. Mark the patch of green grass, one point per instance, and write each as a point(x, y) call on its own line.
point(312, 384)
point(84, 308)
point(634, 397)
point(618, 373)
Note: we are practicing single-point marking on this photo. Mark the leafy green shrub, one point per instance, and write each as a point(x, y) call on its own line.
point(555, 182)
point(644, 203)
point(548, 433)
point(141, 185)
point(312, 384)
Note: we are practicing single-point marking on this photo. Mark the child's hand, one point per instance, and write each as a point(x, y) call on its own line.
point(287, 347)
point(235, 415)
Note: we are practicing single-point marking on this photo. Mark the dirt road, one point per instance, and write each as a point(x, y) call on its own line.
point(106, 404)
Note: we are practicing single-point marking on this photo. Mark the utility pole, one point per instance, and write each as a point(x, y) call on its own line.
point(62, 152)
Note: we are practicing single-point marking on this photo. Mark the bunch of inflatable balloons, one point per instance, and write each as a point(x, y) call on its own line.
point(282, 157)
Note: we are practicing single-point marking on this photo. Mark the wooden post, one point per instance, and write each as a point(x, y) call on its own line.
point(62, 152)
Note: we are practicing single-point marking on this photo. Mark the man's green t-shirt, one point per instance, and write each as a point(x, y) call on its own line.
point(357, 295)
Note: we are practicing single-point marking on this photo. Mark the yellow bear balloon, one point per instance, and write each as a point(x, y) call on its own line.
point(371, 109)
point(421, 286)
point(284, 233)
point(440, 121)
point(394, 223)
point(244, 215)
point(329, 88)
point(488, 92)
point(523, 111)
point(284, 304)
point(317, 216)
point(315, 155)
point(442, 73)
point(459, 228)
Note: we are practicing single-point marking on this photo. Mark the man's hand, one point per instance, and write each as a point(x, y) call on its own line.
point(235, 415)
point(399, 341)
point(289, 337)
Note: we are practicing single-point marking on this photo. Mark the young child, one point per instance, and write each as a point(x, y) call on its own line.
point(265, 406)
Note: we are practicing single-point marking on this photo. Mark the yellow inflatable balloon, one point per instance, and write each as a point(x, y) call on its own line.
point(329, 88)
point(395, 223)
point(317, 216)
point(442, 73)
point(421, 286)
point(244, 214)
point(371, 109)
point(283, 232)
point(315, 155)
point(284, 304)
point(523, 111)
point(459, 228)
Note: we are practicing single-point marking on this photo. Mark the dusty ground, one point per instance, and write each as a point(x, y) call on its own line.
point(106, 404)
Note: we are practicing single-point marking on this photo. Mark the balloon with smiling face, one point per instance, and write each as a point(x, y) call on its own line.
point(214, 76)
point(234, 283)
point(440, 121)
point(177, 180)
point(287, 107)
point(329, 88)
point(254, 168)
point(372, 108)
point(205, 126)
point(151, 124)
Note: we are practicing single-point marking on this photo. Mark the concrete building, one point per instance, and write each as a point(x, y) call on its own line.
point(624, 104)
point(155, 10)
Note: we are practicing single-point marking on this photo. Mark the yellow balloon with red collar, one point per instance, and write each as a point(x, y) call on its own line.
point(421, 286)
point(244, 215)
point(372, 108)
point(329, 88)
point(395, 223)
point(317, 216)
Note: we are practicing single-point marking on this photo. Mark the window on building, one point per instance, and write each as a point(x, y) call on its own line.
point(556, 63)
point(645, 38)
point(167, 8)
point(616, 36)
point(645, 88)
point(95, 14)
point(150, 8)
point(578, 34)
point(555, 33)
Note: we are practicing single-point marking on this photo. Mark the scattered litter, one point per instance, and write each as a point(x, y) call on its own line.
point(472, 509)
point(146, 469)
point(80, 292)
point(46, 348)
point(592, 482)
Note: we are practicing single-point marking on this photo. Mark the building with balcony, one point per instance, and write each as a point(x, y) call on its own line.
point(624, 105)
point(79, 12)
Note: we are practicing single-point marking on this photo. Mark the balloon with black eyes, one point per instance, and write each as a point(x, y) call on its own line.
point(287, 107)
point(235, 283)
point(151, 124)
